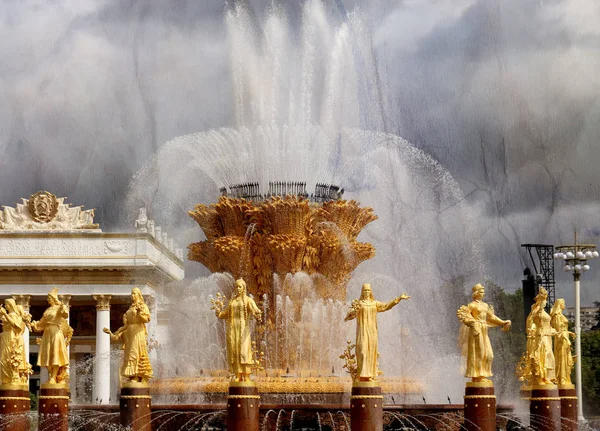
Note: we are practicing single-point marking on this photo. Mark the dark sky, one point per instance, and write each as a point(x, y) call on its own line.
point(505, 95)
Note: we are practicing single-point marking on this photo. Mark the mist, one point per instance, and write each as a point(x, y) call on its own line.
point(505, 96)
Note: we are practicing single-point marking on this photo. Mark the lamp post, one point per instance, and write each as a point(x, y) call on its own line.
point(576, 257)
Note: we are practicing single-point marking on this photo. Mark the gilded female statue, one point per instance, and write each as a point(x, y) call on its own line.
point(136, 363)
point(365, 310)
point(14, 367)
point(562, 343)
point(56, 337)
point(238, 312)
point(476, 317)
point(541, 357)
point(524, 368)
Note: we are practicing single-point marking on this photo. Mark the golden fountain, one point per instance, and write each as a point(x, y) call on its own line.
point(281, 235)
point(262, 239)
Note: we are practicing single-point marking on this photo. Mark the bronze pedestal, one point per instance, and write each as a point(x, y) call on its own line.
point(243, 404)
point(135, 411)
point(544, 408)
point(53, 407)
point(14, 406)
point(480, 406)
point(366, 407)
point(568, 407)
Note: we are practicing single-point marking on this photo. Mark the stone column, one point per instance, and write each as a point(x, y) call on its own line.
point(366, 407)
point(44, 375)
point(480, 406)
point(14, 406)
point(568, 407)
point(101, 388)
point(53, 407)
point(243, 403)
point(135, 406)
point(544, 408)
point(23, 301)
point(151, 326)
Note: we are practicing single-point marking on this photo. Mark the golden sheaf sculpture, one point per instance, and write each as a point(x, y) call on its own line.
point(283, 235)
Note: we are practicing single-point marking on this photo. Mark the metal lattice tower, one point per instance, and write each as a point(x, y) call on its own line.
point(544, 267)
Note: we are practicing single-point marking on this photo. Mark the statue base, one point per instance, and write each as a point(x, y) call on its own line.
point(480, 406)
point(14, 406)
point(544, 408)
point(568, 407)
point(243, 404)
point(135, 406)
point(366, 407)
point(53, 407)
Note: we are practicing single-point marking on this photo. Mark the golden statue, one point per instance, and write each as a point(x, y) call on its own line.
point(365, 310)
point(541, 357)
point(523, 370)
point(135, 367)
point(56, 337)
point(476, 318)
point(562, 343)
point(238, 313)
point(14, 366)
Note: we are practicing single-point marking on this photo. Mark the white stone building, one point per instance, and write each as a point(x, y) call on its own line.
point(45, 243)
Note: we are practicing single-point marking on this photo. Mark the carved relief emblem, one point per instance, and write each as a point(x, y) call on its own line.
point(43, 207)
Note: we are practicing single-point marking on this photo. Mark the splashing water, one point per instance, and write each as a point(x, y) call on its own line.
point(308, 107)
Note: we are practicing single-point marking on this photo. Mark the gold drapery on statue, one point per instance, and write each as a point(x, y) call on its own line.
point(365, 310)
point(563, 357)
point(56, 337)
point(136, 365)
point(542, 356)
point(538, 366)
point(476, 318)
point(14, 365)
point(237, 313)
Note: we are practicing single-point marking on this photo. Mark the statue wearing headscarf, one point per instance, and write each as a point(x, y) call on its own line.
point(238, 313)
point(476, 317)
point(136, 365)
point(562, 343)
point(56, 337)
point(542, 357)
point(365, 310)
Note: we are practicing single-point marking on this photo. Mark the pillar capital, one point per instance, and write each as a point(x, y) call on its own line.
point(22, 300)
point(150, 301)
point(102, 302)
point(65, 299)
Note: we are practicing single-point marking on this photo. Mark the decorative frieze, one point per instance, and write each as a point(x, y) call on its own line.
point(49, 247)
point(23, 301)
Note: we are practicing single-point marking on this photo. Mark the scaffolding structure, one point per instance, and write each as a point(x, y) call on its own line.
point(544, 267)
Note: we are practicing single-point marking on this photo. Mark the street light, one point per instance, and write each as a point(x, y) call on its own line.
point(576, 257)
